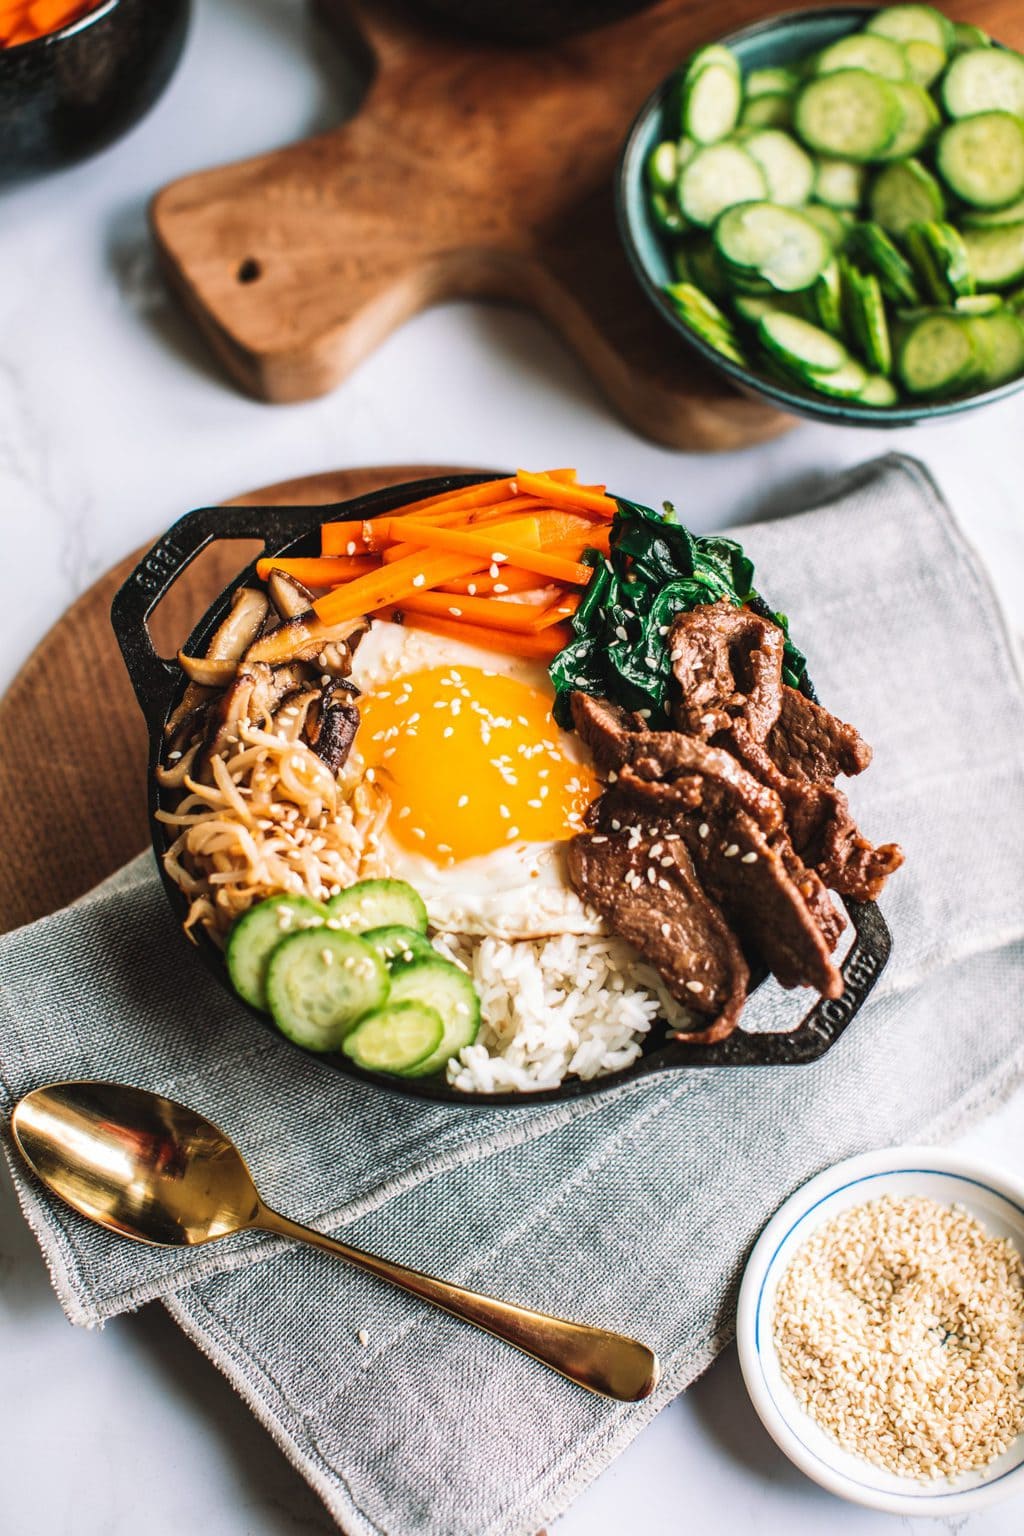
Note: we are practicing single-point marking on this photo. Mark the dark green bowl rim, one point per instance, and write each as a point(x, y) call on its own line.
point(840, 412)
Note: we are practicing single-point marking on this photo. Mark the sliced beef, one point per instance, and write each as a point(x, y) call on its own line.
point(617, 738)
point(727, 662)
point(820, 824)
point(806, 742)
point(650, 894)
point(759, 881)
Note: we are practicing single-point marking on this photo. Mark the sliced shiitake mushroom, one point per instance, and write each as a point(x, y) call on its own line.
point(289, 596)
point(306, 638)
point(231, 640)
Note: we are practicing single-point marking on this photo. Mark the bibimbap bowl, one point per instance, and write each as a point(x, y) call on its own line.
point(160, 685)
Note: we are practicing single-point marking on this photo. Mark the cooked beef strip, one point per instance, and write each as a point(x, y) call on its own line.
point(758, 880)
point(649, 892)
point(806, 742)
point(728, 664)
point(617, 738)
point(820, 824)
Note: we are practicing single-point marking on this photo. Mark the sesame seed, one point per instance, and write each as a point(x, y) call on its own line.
point(328, 958)
point(732, 850)
point(620, 632)
point(418, 832)
point(749, 858)
point(362, 1335)
point(419, 580)
point(463, 801)
point(693, 986)
point(456, 613)
point(449, 730)
point(350, 547)
point(703, 829)
point(471, 589)
point(512, 832)
point(497, 555)
point(666, 929)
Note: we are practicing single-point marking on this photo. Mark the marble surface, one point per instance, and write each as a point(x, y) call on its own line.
point(113, 421)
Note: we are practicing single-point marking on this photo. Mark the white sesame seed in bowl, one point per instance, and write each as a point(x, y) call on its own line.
point(880, 1329)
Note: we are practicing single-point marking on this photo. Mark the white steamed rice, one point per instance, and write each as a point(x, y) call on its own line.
point(574, 1005)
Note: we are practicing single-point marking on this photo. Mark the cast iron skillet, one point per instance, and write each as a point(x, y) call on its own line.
point(159, 684)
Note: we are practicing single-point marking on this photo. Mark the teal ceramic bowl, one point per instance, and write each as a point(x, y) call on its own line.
point(777, 40)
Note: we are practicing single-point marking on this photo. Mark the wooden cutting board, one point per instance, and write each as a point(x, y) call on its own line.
point(73, 769)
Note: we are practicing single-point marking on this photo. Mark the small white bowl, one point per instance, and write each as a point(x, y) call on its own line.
point(989, 1195)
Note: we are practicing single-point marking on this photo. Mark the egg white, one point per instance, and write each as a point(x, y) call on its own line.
point(516, 891)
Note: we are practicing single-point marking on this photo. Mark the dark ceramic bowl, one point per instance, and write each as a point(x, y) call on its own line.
point(778, 40)
point(529, 21)
point(159, 685)
point(68, 94)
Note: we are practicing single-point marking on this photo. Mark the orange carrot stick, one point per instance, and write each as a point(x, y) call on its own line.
point(562, 608)
point(488, 612)
point(522, 531)
point(390, 583)
point(323, 572)
point(495, 547)
point(572, 497)
point(481, 584)
point(542, 647)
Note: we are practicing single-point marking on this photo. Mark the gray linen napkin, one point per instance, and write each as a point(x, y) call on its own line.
point(634, 1210)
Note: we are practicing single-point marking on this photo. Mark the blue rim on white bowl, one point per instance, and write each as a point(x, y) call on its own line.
point(989, 1195)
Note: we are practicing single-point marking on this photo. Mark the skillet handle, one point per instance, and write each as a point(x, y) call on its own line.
point(820, 1027)
point(154, 679)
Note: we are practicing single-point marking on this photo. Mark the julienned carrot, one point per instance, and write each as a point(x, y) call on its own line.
point(553, 613)
point(559, 527)
point(479, 495)
point(523, 530)
point(572, 497)
point(543, 647)
point(390, 583)
point(490, 612)
point(495, 546)
point(481, 584)
point(322, 572)
point(343, 538)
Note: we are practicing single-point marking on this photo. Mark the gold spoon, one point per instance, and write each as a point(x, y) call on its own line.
point(157, 1172)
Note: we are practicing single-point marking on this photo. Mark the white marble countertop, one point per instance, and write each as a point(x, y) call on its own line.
point(113, 421)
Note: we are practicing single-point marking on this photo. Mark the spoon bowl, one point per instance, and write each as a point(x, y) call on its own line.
point(153, 1170)
point(136, 1162)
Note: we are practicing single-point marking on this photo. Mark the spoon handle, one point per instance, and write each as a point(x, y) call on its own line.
point(604, 1362)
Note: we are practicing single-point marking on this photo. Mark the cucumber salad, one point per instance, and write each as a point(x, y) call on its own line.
point(356, 974)
point(852, 224)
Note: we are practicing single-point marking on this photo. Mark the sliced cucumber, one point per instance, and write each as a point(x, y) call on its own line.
point(871, 248)
point(996, 256)
point(395, 1038)
point(845, 383)
point(839, 183)
point(976, 218)
point(376, 904)
point(1001, 337)
point(666, 213)
point(864, 50)
point(711, 102)
point(257, 934)
point(444, 987)
point(966, 36)
point(984, 80)
point(940, 260)
point(696, 261)
point(320, 983)
point(878, 391)
point(788, 169)
point(910, 23)
point(663, 166)
point(851, 114)
point(938, 356)
point(925, 61)
point(920, 120)
point(981, 159)
point(715, 179)
point(827, 299)
point(397, 945)
point(773, 110)
point(751, 306)
point(904, 193)
point(706, 319)
point(867, 323)
point(828, 221)
point(978, 304)
point(776, 81)
point(800, 345)
point(778, 244)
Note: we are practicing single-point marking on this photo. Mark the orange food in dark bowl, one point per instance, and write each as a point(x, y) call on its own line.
point(25, 21)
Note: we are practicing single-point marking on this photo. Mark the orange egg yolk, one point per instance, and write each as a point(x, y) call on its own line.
point(472, 762)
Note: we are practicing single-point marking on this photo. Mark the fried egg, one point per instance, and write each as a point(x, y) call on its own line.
point(484, 789)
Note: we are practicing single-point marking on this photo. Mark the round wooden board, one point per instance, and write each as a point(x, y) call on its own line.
point(72, 779)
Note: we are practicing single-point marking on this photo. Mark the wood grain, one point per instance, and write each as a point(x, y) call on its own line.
point(72, 774)
point(469, 170)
